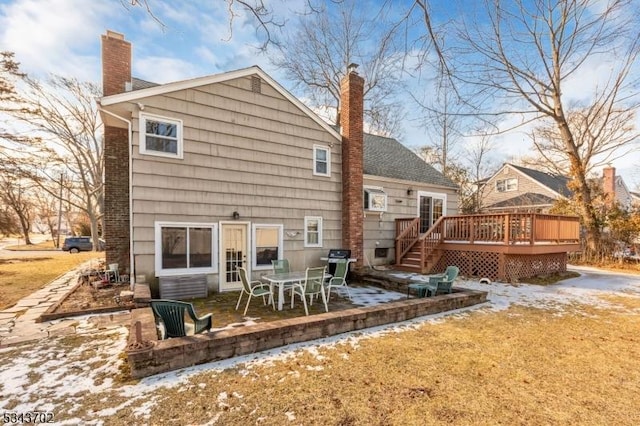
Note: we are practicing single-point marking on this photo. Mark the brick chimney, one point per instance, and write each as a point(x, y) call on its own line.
point(116, 63)
point(609, 185)
point(351, 118)
point(116, 74)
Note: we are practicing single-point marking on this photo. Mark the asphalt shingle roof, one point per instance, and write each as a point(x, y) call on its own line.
point(138, 83)
point(553, 182)
point(524, 200)
point(387, 157)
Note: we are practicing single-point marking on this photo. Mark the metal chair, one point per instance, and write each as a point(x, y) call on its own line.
point(253, 289)
point(312, 285)
point(280, 266)
point(339, 279)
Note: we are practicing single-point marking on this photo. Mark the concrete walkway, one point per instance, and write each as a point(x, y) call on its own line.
point(18, 323)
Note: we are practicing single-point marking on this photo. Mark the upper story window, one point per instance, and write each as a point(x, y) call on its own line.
point(160, 136)
point(321, 160)
point(313, 231)
point(375, 199)
point(504, 185)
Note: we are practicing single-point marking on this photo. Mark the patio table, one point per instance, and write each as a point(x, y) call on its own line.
point(284, 279)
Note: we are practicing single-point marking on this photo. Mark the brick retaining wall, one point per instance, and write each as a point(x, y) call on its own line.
point(157, 356)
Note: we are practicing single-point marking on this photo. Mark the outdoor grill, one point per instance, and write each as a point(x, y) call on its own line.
point(335, 255)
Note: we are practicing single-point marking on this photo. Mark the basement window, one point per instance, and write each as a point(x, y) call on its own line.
point(375, 199)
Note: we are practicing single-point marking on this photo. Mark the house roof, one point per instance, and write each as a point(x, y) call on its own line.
point(139, 84)
point(387, 157)
point(528, 199)
point(553, 182)
point(147, 89)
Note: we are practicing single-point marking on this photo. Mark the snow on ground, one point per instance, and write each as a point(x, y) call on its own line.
point(42, 375)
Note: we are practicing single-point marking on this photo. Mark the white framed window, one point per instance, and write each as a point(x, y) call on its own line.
point(160, 136)
point(505, 185)
point(267, 245)
point(321, 160)
point(375, 199)
point(185, 248)
point(313, 231)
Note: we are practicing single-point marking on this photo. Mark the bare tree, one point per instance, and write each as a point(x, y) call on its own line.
point(524, 54)
point(16, 196)
point(262, 13)
point(316, 56)
point(62, 119)
point(480, 166)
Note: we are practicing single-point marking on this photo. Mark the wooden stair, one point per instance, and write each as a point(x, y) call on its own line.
point(415, 251)
point(411, 262)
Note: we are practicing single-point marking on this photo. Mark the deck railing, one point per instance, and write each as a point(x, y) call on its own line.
point(501, 228)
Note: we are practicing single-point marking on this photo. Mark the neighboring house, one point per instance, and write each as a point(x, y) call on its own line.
point(519, 189)
point(207, 174)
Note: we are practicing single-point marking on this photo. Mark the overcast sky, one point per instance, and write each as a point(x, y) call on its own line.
point(63, 37)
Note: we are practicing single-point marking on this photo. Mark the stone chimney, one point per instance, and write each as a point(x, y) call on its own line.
point(351, 119)
point(116, 76)
point(609, 184)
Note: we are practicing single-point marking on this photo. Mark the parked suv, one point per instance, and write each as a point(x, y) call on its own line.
point(78, 244)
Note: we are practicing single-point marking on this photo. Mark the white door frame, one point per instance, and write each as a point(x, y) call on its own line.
point(440, 195)
point(222, 284)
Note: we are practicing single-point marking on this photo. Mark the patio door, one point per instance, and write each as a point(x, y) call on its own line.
point(233, 254)
point(431, 207)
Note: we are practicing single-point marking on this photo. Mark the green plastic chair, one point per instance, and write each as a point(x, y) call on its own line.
point(445, 282)
point(253, 289)
point(423, 288)
point(171, 313)
point(339, 279)
point(311, 286)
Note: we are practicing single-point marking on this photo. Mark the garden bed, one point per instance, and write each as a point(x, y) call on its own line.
point(84, 299)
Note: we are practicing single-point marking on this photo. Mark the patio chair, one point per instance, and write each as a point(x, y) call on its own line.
point(311, 286)
point(171, 313)
point(113, 273)
point(280, 266)
point(253, 289)
point(445, 282)
point(339, 279)
point(423, 288)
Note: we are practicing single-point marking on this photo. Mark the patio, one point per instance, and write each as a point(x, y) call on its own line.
point(263, 328)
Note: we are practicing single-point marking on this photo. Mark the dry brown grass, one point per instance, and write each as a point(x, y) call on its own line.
point(521, 366)
point(19, 277)
point(44, 245)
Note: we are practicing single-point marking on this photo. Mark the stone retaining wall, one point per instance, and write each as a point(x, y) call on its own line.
point(151, 356)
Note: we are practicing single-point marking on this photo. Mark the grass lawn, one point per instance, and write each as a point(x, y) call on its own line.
point(44, 245)
point(21, 276)
point(525, 366)
point(521, 366)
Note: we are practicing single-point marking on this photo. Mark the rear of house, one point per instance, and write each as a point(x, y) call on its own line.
point(229, 170)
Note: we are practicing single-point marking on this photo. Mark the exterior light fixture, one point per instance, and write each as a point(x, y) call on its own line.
point(236, 215)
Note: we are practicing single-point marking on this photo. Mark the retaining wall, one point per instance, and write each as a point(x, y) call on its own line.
point(147, 355)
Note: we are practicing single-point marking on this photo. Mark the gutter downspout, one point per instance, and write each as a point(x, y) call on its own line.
point(132, 275)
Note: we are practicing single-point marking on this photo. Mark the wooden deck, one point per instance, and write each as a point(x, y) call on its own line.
point(502, 246)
